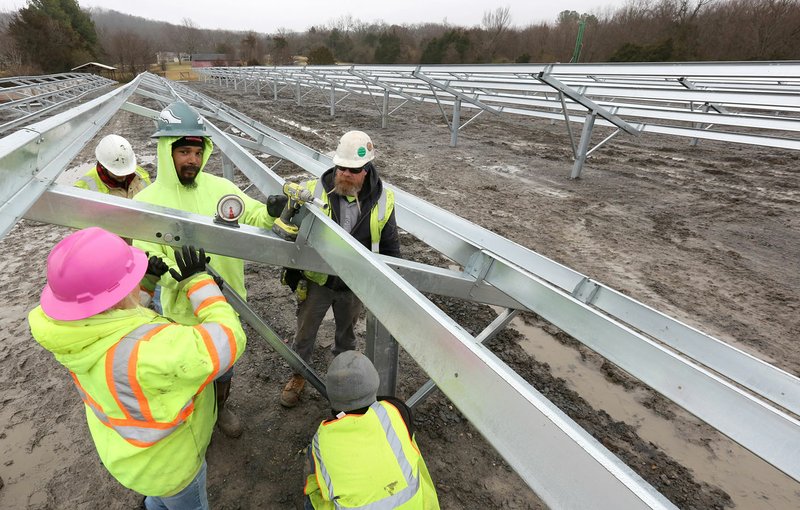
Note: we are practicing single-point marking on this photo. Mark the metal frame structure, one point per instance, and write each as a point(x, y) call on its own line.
point(755, 103)
point(752, 402)
point(24, 98)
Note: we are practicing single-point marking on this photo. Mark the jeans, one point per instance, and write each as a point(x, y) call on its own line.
point(157, 300)
point(346, 309)
point(226, 377)
point(192, 497)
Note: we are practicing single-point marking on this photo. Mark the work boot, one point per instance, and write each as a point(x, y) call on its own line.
point(227, 421)
point(290, 395)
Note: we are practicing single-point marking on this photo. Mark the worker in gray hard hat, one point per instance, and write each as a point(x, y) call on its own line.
point(184, 147)
point(116, 172)
point(358, 202)
point(366, 453)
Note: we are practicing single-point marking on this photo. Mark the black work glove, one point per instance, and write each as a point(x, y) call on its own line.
point(276, 204)
point(291, 277)
point(155, 266)
point(190, 262)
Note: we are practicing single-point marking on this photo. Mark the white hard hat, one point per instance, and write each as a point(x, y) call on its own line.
point(116, 155)
point(354, 151)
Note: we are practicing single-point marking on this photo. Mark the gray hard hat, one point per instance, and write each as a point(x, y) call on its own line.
point(179, 119)
point(352, 381)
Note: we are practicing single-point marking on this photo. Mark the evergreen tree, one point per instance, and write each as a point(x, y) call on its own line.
point(55, 35)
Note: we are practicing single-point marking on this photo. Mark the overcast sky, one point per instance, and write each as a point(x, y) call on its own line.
point(298, 15)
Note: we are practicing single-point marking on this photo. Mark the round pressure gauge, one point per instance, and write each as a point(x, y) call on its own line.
point(229, 209)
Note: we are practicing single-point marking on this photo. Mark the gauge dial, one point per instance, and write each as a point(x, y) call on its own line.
point(230, 208)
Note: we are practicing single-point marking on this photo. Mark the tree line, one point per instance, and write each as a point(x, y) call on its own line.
point(56, 35)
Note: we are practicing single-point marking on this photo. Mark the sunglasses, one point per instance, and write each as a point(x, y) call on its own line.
point(351, 170)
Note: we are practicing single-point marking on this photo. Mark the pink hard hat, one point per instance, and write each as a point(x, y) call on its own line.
point(88, 272)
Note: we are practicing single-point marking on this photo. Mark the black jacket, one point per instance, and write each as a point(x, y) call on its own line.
point(367, 198)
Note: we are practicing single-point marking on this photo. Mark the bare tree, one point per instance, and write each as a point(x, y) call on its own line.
point(190, 35)
point(496, 23)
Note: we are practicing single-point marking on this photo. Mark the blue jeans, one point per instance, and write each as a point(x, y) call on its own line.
point(157, 301)
point(192, 497)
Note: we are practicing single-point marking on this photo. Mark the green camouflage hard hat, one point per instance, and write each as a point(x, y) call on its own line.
point(179, 119)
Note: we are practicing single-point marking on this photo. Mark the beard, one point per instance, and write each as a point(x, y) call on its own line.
point(345, 188)
point(188, 181)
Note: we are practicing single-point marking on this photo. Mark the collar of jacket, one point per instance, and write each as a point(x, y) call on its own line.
point(110, 182)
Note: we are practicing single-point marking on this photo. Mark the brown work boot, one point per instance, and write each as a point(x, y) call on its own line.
point(229, 423)
point(290, 395)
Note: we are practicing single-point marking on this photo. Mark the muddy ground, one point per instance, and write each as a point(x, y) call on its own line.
point(708, 234)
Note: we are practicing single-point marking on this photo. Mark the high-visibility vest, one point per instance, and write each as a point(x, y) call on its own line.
point(378, 217)
point(368, 462)
point(92, 182)
point(145, 383)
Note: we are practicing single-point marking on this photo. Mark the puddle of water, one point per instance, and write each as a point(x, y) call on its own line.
point(750, 482)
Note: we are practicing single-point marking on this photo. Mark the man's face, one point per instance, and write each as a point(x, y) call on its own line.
point(116, 177)
point(187, 161)
point(347, 183)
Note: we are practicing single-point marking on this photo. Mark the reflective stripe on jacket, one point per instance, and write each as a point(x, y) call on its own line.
point(378, 216)
point(92, 182)
point(145, 383)
point(368, 462)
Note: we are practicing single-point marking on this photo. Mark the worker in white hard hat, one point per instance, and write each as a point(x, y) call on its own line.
point(358, 201)
point(116, 172)
point(365, 455)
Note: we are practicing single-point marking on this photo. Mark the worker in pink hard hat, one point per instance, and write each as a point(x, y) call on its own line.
point(150, 417)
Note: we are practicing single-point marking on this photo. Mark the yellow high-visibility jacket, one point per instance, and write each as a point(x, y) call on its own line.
point(145, 383)
point(202, 198)
point(368, 459)
point(92, 181)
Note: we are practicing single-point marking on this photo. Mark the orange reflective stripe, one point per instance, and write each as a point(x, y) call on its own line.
point(212, 352)
point(137, 426)
point(84, 395)
point(210, 301)
point(204, 293)
point(110, 380)
point(197, 286)
point(133, 382)
point(158, 425)
point(231, 344)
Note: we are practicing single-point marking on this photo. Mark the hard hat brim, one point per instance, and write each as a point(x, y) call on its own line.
point(73, 310)
point(180, 132)
point(128, 170)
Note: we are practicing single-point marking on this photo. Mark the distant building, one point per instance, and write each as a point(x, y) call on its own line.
point(97, 68)
point(166, 57)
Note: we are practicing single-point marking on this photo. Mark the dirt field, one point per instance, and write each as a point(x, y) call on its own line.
point(709, 235)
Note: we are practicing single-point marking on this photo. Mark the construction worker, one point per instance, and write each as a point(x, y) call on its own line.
point(365, 455)
point(183, 151)
point(116, 172)
point(144, 379)
point(360, 204)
